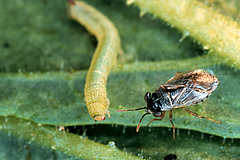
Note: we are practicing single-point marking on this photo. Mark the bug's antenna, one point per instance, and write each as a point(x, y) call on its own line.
point(131, 109)
point(137, 129)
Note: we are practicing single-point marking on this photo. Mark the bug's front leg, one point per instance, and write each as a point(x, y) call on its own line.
point(137, 129)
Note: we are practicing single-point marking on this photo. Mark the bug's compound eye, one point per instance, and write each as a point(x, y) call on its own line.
point(147, 96)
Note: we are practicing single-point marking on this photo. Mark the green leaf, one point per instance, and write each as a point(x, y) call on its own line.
point(67, 144)
point(57, 98)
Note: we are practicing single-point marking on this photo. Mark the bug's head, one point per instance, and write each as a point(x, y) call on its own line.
point(149, 101)
point(151, 108)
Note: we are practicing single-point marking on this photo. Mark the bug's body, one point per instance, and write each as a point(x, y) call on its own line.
point(183, 89)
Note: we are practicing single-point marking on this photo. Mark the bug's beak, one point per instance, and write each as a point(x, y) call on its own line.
point(157, 114)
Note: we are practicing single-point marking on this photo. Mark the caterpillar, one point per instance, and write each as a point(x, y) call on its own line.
point(105, 56)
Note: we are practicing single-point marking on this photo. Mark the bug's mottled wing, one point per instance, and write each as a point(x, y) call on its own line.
point(188, 96)
point(190, 88)
point(180, 79)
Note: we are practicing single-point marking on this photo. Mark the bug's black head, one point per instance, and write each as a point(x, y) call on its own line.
point(149, 101)
point(151, 108)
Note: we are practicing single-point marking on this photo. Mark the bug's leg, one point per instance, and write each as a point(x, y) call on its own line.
point(170, 119)
point(154, 119)
point(137, 129)
point(199, 116)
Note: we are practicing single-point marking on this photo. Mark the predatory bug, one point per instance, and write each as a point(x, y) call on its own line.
point(183, 89)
